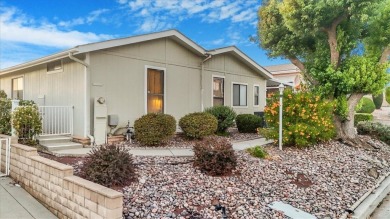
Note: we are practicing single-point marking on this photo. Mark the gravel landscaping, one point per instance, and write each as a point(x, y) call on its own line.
point(323, 180)
point(181, 141)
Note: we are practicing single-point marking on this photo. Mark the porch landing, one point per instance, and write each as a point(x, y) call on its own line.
point(58, 142)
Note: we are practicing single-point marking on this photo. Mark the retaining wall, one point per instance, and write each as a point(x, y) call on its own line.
point(55, 186)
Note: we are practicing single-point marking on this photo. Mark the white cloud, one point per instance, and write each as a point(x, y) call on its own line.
point(149, 12)
point(89, 19)
point(218, 41)
point(16, 28)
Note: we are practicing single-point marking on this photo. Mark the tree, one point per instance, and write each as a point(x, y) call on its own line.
point(340, 46)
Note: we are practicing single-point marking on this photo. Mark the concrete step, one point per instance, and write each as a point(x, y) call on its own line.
point(61, 146)
point(54, 139)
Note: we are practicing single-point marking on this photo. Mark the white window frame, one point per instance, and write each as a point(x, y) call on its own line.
point(212, 88)
point(55, 71)
point(239, 83)
point(258, 98)
point(12, 85)
point(146, 86)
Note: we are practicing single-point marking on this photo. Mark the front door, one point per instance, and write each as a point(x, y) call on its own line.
point(155, 91)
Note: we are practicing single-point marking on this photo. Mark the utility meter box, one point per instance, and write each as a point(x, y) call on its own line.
point(100, 121)
point(113, 120)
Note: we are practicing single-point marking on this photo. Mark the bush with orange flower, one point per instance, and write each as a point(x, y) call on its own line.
point(307, 119)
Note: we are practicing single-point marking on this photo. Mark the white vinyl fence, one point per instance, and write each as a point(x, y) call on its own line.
point(5, 154)
point(56, 120)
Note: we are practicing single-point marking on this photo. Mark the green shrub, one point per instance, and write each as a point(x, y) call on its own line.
point(307, 119)
point(3, 95)
point(5, 116)
point(257, 151)
point(359, 117)
point(378, 100)
point(109, 166)
point(27, 124)
point(388, 94)
point(225, 116)
point(198, 125)
point(215, 156)
point(375, 129)
point(154, 128)
point(367, 105)
point(248, 123)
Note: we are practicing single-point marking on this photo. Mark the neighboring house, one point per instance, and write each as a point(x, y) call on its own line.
point(160, 72)
point(287, 74)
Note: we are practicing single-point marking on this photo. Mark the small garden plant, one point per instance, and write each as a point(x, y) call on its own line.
point(248, 123)
point(366, 105)
point(225, 116)
point(307, 119)
point(215, 156)
point(109, 165)
point(154, 128)
point(198, 125)
point(359, 117)
point(375, 129)
point(27, 124)
point(257, 151)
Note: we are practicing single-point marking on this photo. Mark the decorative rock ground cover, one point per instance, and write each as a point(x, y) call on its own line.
point(323, 180)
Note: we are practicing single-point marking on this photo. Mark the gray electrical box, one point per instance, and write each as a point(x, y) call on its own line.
point(113, 120)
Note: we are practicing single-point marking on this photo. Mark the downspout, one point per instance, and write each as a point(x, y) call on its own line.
point(201, 81)
point(70, 55)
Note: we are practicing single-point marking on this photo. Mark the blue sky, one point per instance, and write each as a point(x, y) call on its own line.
point(30, 29)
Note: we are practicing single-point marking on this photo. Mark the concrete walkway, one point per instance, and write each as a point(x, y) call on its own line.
point(175, 152)
point(382, 115)
point(383, 211)
point(15, 202)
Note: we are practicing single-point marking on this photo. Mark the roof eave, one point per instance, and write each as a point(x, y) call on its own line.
point(232, 49)
point(36, 62)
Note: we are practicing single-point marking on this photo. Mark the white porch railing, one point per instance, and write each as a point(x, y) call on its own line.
point(56, 120)
point(5, 156)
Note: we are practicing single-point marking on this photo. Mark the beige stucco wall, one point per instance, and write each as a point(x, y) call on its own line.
point(118, 75)
point(64, 88)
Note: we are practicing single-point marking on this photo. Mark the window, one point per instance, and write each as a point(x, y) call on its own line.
point(218, 91)
point(155, 91)
point(55, 66)
point(256, 91)
point(17, 88)
point(239, 95)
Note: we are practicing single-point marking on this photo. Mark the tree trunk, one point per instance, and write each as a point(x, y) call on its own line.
point(346, 129)
point(385, 55)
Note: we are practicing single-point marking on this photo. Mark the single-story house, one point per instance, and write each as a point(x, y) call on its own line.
point(288, 74)
point(165, 72)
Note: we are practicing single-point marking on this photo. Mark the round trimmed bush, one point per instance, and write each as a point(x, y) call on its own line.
point(215, 156)
point(387, 94)
point(359, 117)
point(248, 123)
point(109, 165)
point(27, 123)
point(198, 125)
point(225, 116)
point(367, 105)
point(378, 100)
point(154, 128)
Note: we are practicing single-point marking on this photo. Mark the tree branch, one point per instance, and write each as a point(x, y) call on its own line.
point(332, 40)
point(385, 55)
point(293, 59)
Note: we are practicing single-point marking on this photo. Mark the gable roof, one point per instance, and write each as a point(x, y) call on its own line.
point(282, 69)
point(172, 34)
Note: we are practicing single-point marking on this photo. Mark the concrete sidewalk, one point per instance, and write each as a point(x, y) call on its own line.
point(383, 211)
point(15, 202)
point(174, 152)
